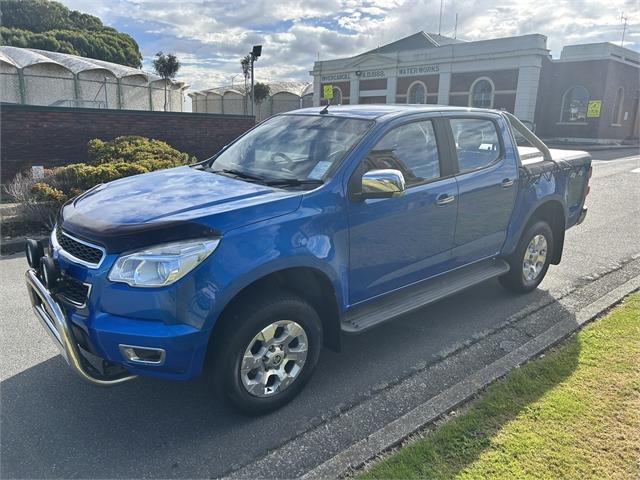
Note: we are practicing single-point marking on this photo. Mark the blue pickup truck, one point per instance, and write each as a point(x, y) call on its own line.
point(314, 224)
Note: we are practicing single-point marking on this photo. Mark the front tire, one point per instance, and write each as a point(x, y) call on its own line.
point(531, 259)
point(266, 352)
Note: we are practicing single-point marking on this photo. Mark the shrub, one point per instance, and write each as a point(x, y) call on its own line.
point(134, 149)
point(123, 157)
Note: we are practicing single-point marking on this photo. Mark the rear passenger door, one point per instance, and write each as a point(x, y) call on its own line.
point(487, 187)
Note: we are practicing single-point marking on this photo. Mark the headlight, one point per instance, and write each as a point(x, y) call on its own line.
point(161, 265)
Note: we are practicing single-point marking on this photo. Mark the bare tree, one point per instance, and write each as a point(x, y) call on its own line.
point(245, 63)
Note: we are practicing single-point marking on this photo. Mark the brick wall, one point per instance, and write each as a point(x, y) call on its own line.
point(53, 136)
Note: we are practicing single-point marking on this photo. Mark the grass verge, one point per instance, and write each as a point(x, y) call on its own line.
point(573, 413)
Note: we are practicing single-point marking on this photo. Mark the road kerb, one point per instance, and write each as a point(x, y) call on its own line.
point(396, 431)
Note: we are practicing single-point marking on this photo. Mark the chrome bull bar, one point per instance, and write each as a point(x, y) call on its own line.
point(52, 318)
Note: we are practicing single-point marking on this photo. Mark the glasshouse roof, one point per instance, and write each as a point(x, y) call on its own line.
point(26, 57)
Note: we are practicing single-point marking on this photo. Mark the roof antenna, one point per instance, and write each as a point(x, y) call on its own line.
point(455, 30)
point(325, 110)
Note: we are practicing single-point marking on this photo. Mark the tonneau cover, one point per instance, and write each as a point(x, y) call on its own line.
point(533, 163)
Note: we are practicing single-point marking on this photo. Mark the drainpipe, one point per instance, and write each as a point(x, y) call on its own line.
point(76, 89)
point(23, 90)
point(119, 92)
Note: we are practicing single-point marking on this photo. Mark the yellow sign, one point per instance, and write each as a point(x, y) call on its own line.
point(593, 109)
point(328, 92)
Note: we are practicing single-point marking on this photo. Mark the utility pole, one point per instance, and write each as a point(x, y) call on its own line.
point(440, 22)
point(255, 53)
point(624, 27)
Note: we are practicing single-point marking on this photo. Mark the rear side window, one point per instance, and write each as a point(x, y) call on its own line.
point(410, 148)
point(477, 143)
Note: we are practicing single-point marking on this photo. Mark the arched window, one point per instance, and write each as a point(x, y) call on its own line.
point(617, 107)
point(481, 95)
point(337, 96)
point(574, 105)
point(417, 93)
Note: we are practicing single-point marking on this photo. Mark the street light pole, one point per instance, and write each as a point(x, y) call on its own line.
point(255, 53)
point(253, 98)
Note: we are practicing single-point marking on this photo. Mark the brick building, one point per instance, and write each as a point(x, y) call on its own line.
point(589, 94)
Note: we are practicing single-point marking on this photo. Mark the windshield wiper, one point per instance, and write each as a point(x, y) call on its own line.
point(240, 174)
point(293, 182)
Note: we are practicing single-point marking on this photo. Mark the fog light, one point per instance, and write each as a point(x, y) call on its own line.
point(143, 355)
point(34, 251)
point(50, 272)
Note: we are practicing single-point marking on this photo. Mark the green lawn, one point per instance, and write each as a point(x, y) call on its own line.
point(575, 413)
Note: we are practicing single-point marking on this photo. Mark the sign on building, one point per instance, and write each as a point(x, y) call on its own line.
point(593, 109)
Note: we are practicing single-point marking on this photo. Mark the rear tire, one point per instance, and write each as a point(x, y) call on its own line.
point(530, 260)
point(266, 352)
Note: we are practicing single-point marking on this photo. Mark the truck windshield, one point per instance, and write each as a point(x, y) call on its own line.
point(291, 149)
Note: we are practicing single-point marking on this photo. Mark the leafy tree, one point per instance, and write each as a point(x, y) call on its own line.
point(261, 92)
point(167, 67)
point(49, 25)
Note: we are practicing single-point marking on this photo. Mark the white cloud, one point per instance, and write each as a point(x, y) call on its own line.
point(210, 36)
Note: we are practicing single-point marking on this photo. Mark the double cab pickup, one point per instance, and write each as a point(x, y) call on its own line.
point(314, 224)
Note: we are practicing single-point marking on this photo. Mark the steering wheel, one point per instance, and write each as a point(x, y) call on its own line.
point(286, 160)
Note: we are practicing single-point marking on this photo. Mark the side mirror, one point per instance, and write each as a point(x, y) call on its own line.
point(382, 183)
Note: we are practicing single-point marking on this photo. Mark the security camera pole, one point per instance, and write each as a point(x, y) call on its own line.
point(255, 53)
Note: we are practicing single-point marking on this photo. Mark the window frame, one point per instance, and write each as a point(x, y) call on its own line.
point(617, 103)
point(333, 89)
point(473, 85)
point(454, 150)
point(445, 160)
point(426, 92)
point(562, 103)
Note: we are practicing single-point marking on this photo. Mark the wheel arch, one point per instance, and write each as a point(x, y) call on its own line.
point(553, 213)
point(309, 283)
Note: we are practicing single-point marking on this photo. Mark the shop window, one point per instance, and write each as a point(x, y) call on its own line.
point(417, 93)
point(617, 107)
point(481, 95)
point(574, 105)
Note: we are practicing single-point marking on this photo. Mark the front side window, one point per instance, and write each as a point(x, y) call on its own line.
point(410, 148)
point(417, 93)
point(477, 143)
point(481, 94)
point(617, 107)
point(301, 147)
point(574, 105)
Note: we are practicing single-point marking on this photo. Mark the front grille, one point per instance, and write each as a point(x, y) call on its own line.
point(80, 250)
point(72, 290)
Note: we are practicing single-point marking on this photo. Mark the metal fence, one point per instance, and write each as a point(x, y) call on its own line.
point(89, 90)
point(236, 103)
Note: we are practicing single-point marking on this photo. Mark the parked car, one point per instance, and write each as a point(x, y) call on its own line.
point(314, 224)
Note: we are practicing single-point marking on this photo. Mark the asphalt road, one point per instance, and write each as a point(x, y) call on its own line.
point(53, 425)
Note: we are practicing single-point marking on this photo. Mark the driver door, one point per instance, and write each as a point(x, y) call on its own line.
point(403, 239)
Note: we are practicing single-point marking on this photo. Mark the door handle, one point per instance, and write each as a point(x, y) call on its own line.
point(506, 183)
point(445, 199)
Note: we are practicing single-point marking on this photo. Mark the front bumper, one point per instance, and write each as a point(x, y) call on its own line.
point(52, 318)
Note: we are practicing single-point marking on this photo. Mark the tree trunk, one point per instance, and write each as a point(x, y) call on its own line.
point(165, 94)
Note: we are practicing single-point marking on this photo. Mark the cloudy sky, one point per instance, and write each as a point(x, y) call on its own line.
point(210, 36)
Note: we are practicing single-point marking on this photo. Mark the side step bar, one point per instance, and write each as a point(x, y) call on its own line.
point(393, 305)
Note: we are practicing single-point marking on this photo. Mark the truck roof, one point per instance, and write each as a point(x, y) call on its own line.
point(373, 112)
